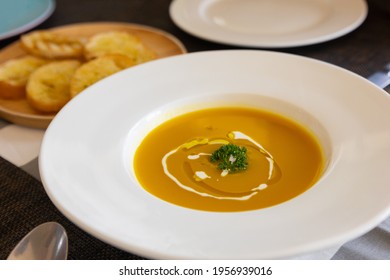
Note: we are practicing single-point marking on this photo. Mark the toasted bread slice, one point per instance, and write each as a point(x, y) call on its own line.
point(97, 69)
point(48, 86)
point(14, 75)
point(118, 42)
point(52, 45)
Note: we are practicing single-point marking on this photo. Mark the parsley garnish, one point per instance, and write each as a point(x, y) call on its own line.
point(230, 157)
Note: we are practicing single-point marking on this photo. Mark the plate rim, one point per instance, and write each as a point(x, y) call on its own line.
point(51, 5)
point(175, 9)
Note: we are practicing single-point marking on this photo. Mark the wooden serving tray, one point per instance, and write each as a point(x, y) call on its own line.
point(20, 112)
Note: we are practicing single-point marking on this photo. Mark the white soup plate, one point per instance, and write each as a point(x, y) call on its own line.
point(87, 152)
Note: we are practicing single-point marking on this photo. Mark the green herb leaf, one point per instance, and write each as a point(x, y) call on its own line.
point(230, 157)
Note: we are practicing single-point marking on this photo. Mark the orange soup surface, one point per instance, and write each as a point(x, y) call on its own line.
point(174, 162)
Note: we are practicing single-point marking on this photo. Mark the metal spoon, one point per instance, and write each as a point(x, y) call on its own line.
point(47, 241)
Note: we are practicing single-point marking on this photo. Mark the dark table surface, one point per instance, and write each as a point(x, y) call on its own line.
point(23, 201)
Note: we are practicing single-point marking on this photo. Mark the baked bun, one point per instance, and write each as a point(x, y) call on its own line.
point(97, 69)
point(14, 75)
point(52, 45)
point(117, 42)
point(48, 87)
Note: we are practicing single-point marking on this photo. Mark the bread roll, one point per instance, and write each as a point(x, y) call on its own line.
point(97, 69)
point(14, 75)
point(52, 45)
point(117, 42)
point(48, 87)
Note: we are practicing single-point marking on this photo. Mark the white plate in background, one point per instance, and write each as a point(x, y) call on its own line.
point(268, 23)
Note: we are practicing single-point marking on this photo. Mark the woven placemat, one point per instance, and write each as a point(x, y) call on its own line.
point(24, 205)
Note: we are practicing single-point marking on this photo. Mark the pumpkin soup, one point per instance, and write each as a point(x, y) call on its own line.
point(228, 159)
